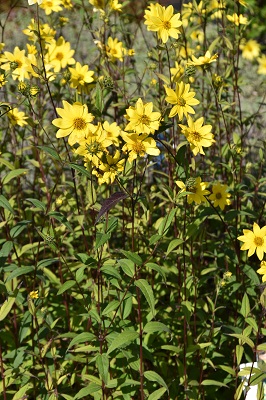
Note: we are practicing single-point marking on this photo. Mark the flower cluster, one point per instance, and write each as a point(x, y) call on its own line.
point(254, 241)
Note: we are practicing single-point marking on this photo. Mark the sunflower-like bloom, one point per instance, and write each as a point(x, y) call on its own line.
point(114, 49)
point(50, 6)
point(80, 77)
point(197, 134)
point(182, 99)
point(18, 63)
point(17, 117)
point(262, 65)
point(254, 241)
point(139, 145)
point(220, 196)
point(112, 131)
point(142, 119)
point(110, 168)
point(73, 122)
point(250, 49)
point(34, 294)
point(237, 19)
point(197, 189)
point(262, 270)
point(163, 21)
point(203, 60)
point(59, 54)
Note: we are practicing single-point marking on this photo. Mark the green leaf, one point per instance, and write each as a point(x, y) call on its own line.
point(90, 389)
point(14, 174)
point(66, 285)
point(111, 307)
point(61, 218)
point(155, 326)
point(154, 239)
point(4, 252)
point(156, 268)
point(228, 369)
point(5, 204)
point(81, 169)
point(51, 276)
point(18, 228)
point(239, 353)
point(257, 378)
point(251, 321)
point(133, 257)
point(19, 271)
point(81, 338)
point(110, 203)
point(102, 363)
point(245, 306)
point(52, 152)
point(253, 276)
point(101, 239)
point(166, 222)
point(173, 244)
point(7, 305)
point(147, 291)
point(211, 382)
point(22, 391)
point(121, 339)
point(239, 390)
point(154, 377)
point(110, 270)
point(37, 203)
point(127, 266)
point(243, 339)
point(157, 394)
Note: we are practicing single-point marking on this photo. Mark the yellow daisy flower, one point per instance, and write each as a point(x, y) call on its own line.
point(110, 169)
point(59, 54)
point(18, 63)
point(182, 99)
point(262, 270)
point(197, 189)
point(254, 241)
point(73, 122)
point(50, 6)
point(250, 49)
point(142, 119)
point(197, 134)
point(237, 19)
point(34, 294)
point(262, 65)
point(139, 145)
point(163, 21)
point(17, 117)
point(80, 76)
point(219, 196)
point(203, 60)
point(112, 132)
point(114, 49)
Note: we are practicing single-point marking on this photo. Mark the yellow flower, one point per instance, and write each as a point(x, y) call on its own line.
point(203, 60)
point(219, 195)
point(250, 49)
point(182, 99)
point(112, 131)
point(73, 122)
point(115, 5)
point(114, 49)
point(2, 80)
point(237, 19)
point(67, 4)
point(80, 77)
point(59, 54)
point(17, 117)
point(262, 270)
point(262, 65)
point(198, 135)
point(46, 32)
point(100, 4)
point(254, 241)
point(50, 6)
point(163, 20)
point(139, 145)
point(197, 189)
point(18, 63)
point(92, 147)
point(34, 294)
point(110, 169)
point(142, 119)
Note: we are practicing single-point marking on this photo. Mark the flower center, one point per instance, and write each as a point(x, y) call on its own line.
point(79, 124)
point(167, 25)
point(49, 4)
point(195, 136)
point(144, 120)
point(181, 102)
point(218, 195)
point(59, 56)
point(258, 241)
point(138, 147)
point(93, 148)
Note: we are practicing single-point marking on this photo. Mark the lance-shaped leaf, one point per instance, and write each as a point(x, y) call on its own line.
point(110, 203)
